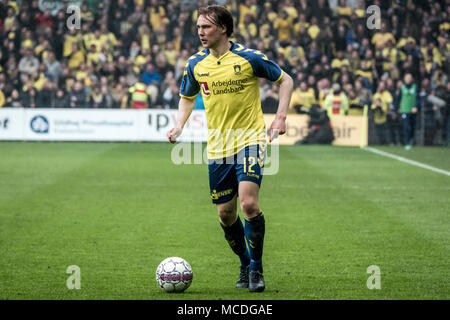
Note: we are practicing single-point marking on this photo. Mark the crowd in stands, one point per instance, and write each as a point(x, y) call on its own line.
point(332, 47)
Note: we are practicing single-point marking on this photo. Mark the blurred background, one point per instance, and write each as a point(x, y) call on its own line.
point(391, 65)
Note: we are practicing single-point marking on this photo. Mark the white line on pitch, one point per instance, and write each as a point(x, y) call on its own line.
point(405, 160)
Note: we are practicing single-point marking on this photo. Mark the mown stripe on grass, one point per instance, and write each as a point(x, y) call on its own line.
point(408, 161)
point(342, 230)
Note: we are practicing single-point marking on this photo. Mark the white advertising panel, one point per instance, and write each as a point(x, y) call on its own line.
point(146, 125)
point(11, 124)
point(154, 125)
point(80, 125)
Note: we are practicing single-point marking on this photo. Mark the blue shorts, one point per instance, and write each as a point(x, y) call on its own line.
point(225, 174)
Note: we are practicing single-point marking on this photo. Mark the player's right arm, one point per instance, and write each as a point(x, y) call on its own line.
point(189, 89)
point(185, 107)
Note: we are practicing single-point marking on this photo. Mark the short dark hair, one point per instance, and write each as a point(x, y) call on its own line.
point(220, 16)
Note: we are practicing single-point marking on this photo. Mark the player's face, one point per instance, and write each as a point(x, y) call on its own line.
point(208, 32)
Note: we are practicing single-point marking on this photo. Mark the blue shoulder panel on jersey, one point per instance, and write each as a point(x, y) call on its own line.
point(262, 66)
point(189, 87)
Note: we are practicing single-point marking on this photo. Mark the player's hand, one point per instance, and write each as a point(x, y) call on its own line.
point(278, 127)
point(173, 134)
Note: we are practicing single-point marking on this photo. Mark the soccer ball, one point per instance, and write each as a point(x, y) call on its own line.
point(174, 274)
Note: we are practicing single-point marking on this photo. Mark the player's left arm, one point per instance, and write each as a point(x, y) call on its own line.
point(278, 125)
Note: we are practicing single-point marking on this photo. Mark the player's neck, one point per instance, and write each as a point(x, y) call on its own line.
point(220, 49)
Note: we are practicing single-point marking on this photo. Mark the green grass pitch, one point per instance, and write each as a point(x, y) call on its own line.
point(117, 210)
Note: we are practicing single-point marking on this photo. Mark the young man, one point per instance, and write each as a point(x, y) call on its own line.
point(408, 109)
point(382, 103)
point(227, 74)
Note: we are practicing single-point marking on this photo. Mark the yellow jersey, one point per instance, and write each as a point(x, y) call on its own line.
point(380, 116)
point(379, 39)
point(285, 28)
point(304, 98)
point(230, 92)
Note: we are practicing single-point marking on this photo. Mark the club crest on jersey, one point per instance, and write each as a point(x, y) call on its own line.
point(237, 69)
point(205, 89)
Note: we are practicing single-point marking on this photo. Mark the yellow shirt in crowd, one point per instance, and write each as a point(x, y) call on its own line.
point(386, 99)
point(303, 98)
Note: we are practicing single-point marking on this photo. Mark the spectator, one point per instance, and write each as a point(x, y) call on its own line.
point(119, 96)
point(336, 103)
point(139, 96)
point(45, 98)
point(43, 20)
point(28, 64)
point(382, 103)
point(338, 62)
point(14, 101)
point(408, 109)
point(151, 76)
point(380, 38)
point(393, 119)
point(134, 50)
point(108, 101)
point(293, 53)
point(77, 97)
point(284, 26)
point(3, 85)
point(429, 113)
point(269, 104)
point(170, 96)
point(305, 7)
point(10, 20)
point(96, 98)
point(12, 71)
point(314, 28)
point(246, 8)
point(324, 88)
point(319, 9)
point(157, 15)
point(87, 16)
point(319, 127)
point(364, 95)
point(248, 28)
point(359, 97)
point(54, 68)
point(76, 57)
point(302, 99)
point(61, 99)
point(2, 99)
point(29, 98)
point(304, 37)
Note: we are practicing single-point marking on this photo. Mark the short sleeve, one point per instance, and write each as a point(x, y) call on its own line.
point(263, 67)
point(189, 87)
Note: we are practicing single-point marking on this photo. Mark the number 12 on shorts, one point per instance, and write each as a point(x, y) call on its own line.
point(248, 164)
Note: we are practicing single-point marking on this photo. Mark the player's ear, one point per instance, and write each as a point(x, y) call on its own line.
point(223, 29)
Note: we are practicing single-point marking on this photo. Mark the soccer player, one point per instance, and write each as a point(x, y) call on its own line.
point(226, 74)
